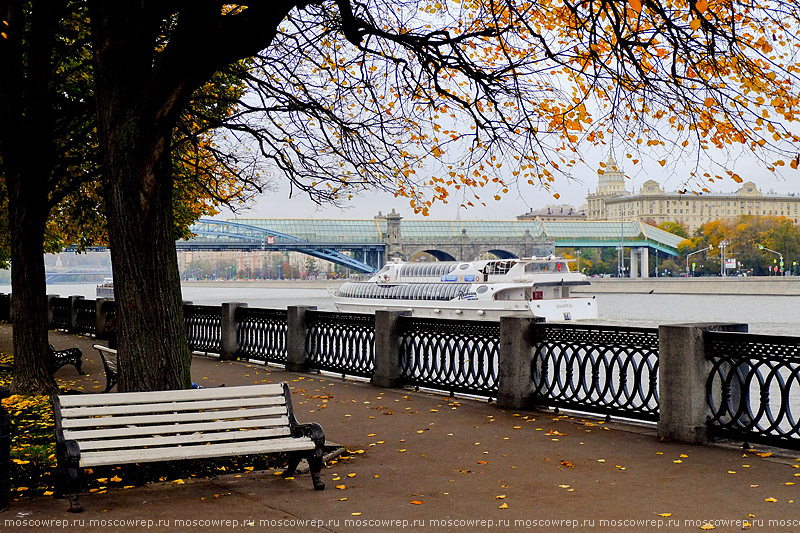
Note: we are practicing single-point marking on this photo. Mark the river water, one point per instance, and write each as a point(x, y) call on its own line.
point(774, 315)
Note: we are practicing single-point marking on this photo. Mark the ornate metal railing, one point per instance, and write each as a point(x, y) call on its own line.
point(599, 369)
point(754, 388)
point(261, 334)
point(341, 342)
point(61, 313)
point(203, 327)
point(457, 356)
point(87, 316)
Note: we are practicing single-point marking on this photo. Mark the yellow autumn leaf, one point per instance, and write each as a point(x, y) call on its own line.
point(504, 506)
point(665, 515)
point(416, 502)
point(355, 514)
point(770, 500)
point(701, 5)
point(116, 479)
point(695, 24)
point(341, 487)
point(707, 526)
point(500, 497)
point(636, 5)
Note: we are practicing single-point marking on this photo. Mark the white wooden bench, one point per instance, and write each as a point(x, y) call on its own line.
point(109, 358)
point(138, 427)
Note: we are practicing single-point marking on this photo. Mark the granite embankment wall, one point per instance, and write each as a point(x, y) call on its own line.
point(768, 286)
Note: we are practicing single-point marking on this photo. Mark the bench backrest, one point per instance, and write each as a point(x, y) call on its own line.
point(169, 418)
point(109, 356)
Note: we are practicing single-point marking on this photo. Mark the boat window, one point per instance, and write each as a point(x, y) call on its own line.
point(463, 266)
point(499, 267)
point(429, 292)
point(481, 289)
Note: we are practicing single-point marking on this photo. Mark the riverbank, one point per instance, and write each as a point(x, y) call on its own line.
point(756, 286)
point(267, 283)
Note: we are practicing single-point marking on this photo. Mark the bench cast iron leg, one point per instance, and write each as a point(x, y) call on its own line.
point(69, 460)
point(315, 463)
point(294, 460)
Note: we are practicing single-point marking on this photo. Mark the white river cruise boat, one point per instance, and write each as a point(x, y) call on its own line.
point(484, 290)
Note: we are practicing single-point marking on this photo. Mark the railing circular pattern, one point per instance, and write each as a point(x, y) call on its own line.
point(261, 334)
point(598, 369)
point(203, 328)
point(457, 356)
point(341, 342)
point(753, 388)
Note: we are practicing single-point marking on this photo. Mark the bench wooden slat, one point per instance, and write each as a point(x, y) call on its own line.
point(123, 428)
point(195, 452)
point(169, 407)
point(193, 438)
point(136, 420)
point(171, 429)
point(127, 398)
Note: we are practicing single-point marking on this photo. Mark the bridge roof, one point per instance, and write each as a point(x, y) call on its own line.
point(566, 233)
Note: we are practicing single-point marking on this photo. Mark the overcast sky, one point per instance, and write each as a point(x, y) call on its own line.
point(278, 204)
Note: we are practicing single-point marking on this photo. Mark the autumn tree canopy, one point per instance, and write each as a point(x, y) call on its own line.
point(431, 98)
point(426, 98)
point(747, 238)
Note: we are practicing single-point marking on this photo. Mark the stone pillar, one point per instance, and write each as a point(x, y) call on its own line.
point(388, 368)
point(50, 298)
point(634, 263)
point(230, 342)
point(101, 318)
point(296, 335)
point(73, 312)
point(682, 375)
point(645, 254)
point(515, 381)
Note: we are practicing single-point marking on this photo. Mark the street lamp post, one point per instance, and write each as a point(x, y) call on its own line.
point(579, 260)
point(780, 255)
point(722, 245)
point(691, 254)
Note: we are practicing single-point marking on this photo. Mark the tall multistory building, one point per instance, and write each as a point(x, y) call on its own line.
point(611, 201)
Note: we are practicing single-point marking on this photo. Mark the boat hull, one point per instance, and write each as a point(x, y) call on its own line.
point(553, 310)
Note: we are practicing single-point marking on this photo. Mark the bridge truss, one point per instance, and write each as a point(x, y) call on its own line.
point(216, 235)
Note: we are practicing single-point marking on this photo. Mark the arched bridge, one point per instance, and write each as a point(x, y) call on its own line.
point(369, 243)
point(219, 235)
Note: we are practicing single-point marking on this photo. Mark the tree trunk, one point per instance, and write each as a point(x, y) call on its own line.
point(26, 154)
point(153, 351)
point(32, 372)
point(134, 139)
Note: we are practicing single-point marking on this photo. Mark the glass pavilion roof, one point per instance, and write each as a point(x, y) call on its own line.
point(566, 233)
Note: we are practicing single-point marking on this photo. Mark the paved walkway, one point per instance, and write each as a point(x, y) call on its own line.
point(427, 462)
